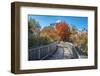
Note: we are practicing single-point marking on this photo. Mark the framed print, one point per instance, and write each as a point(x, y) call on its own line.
point(52, 37)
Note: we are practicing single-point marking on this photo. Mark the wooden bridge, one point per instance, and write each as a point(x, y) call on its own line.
point(55, 51)
point(42, 52)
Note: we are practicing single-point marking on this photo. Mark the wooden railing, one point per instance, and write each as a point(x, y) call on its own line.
point(42, 52)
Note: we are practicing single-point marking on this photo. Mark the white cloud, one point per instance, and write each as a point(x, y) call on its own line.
point(58, 21)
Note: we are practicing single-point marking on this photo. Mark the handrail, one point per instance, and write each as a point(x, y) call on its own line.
point(42, 52)
point(42, 46)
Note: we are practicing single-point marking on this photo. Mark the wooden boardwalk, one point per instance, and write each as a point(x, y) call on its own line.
point(66, 51)
point(55, 51)
point(59, 54)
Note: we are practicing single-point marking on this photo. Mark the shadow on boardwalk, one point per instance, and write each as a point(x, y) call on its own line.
point(59, 54)
point(66, 51)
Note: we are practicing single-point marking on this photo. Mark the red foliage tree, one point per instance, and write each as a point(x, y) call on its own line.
point(63, 31)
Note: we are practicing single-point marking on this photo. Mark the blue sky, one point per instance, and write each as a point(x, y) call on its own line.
point(45, 20)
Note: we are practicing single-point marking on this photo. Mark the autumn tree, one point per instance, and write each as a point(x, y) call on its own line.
point(73, 34)
point(49, 32)
point(63, 31)
point(80, 39)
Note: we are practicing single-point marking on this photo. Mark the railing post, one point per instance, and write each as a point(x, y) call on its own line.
point(48, 49)
point(39, 53)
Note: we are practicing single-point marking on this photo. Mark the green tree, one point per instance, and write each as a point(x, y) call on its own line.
point(34, 25)
point(33, 32)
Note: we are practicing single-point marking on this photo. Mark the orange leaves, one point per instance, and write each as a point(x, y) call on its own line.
point(63, 31)
point(60, 32)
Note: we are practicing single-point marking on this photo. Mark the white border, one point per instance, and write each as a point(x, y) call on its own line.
point(25, 64)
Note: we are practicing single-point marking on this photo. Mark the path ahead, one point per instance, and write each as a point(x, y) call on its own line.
point(59, 54)
point(65, 51)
